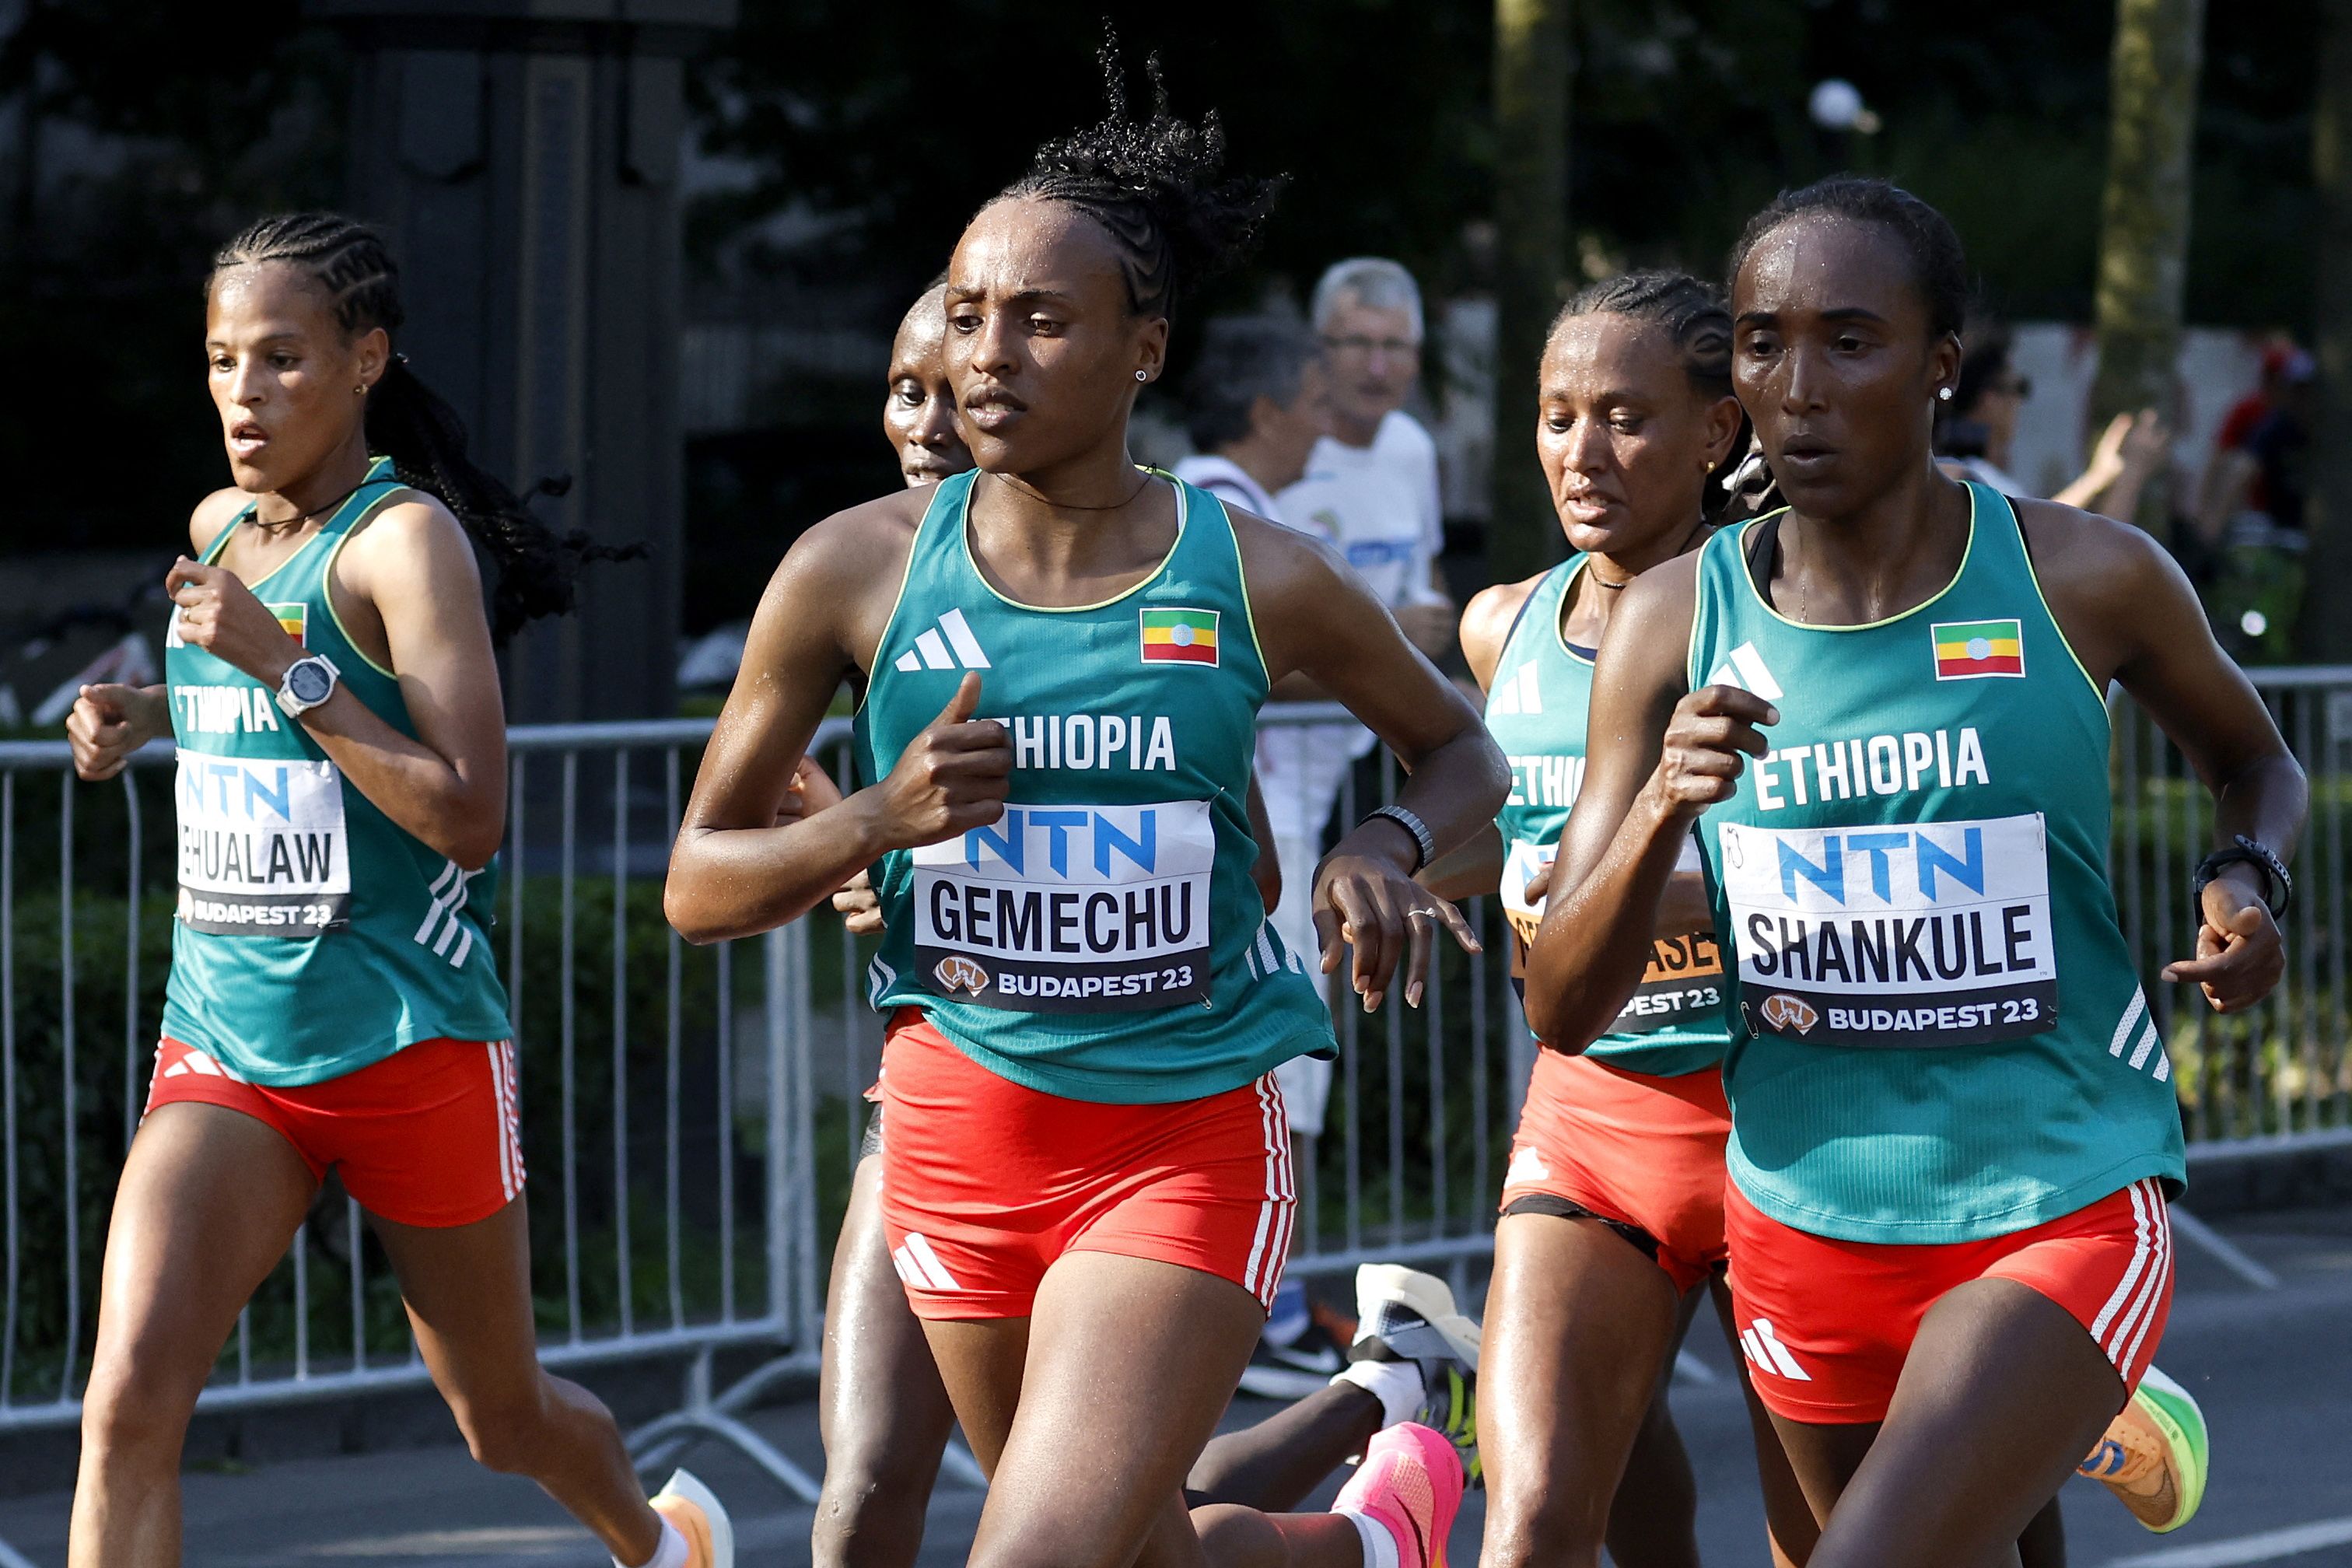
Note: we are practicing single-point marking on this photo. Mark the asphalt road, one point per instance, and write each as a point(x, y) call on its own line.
point(2274, 1369)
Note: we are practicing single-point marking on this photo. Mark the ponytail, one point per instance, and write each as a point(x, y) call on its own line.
point(535, 569)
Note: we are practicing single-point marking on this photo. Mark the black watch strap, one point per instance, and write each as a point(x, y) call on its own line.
point(2279, 889)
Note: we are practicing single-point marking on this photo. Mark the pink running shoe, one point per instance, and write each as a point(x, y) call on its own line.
point(1409, 1485)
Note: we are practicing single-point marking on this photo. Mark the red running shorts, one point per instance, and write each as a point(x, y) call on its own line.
point(1642, 1155)
point(1826, 1324)
point(986, 1183)
point(430, 1136)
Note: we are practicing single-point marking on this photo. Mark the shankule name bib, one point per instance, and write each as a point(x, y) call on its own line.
point(1070, 908)
point(1924, 934)
point(263, 846)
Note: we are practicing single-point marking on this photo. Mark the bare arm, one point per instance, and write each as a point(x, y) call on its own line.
point(414, 569)
point(1317, 618)
point(736, 869)
point(1266, 869)
point(2132, 618)
point(110, 721)
point(1657, 757)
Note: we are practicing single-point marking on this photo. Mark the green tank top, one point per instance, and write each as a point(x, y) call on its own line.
point(313, 936)
point(1542, 689)
point(1103, 941)
point(1938, 1035)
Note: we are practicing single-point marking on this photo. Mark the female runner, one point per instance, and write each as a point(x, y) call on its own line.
point(1953, 1128)
point(1612, 1209)
point(1086, 1184)
point(883, 1415)
point(329, 680)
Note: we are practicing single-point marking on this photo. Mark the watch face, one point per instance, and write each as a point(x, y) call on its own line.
point(308, 683)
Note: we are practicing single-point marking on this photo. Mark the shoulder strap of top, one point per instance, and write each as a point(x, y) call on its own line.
point(1548, 589)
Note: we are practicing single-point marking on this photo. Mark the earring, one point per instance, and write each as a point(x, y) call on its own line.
point(1944, 394)
point(360, 391)
point(1141, 375)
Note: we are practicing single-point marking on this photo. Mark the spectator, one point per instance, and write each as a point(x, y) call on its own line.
point(1370, 489)
point(1258, 401)
point(2255, 476)
point(1976, 434)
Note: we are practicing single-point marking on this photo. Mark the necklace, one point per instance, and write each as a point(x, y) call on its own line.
point(1142, 479)
point(1603, 582)
point(286, 525)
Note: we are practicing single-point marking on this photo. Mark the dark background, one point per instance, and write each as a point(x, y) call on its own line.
point(852, 140)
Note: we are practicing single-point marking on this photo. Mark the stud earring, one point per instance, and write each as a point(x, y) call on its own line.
point(1140, 375)
point(1944, 394)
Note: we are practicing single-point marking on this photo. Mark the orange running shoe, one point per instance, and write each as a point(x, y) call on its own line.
point(701, 1517)
point(2154, 1455)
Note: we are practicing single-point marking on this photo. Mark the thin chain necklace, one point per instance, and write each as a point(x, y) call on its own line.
point(288, 524)
point(1603, 582)
point(1142, 479)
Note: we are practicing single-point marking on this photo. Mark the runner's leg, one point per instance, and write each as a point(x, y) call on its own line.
point(1578, 1326)
point(467, 1289)
point(1274, 1465)
point(209, 1199)
point(2001, 1394)
point(1653, 1514)
point(882, 1411)
point(1079, 1478)
point(1787, 1517)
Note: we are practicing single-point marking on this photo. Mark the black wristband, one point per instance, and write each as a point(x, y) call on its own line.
point(1424, 844)
point(2279, 887)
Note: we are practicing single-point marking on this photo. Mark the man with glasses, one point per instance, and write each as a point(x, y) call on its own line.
point(1371, 489)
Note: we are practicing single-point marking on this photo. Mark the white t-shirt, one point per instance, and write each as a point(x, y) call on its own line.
point(1228, 481)
point(1379, 505)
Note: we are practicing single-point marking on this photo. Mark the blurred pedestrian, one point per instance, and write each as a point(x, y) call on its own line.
point(1978, 429)
point(1259, 400)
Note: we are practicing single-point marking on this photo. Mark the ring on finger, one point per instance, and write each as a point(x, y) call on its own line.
point(1421, 914)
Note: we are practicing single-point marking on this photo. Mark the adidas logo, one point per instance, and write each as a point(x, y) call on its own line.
point(917, 1265)
point(1743, 666)
point(1520, 693)
point(946, 644)
point(195, 1063)
point(1765, 1351)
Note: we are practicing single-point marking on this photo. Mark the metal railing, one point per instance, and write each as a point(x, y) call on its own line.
point(692, 1116)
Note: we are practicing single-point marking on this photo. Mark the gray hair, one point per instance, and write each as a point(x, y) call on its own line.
point(1244, 359)
point(1373, 281)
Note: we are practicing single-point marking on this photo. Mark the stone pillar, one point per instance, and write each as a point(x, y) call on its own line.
point(522, 156)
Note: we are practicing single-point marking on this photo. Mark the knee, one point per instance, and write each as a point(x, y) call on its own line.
point(1544, 1528)
point(133, 1409)
point(870, 1514)
point(505, 1433)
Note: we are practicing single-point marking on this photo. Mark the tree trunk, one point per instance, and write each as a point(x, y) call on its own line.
point(1531, 75)
point(2324, 630)
point(2144, 228)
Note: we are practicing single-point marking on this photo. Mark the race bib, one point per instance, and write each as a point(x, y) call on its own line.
point(1521, 862)
point(263, 847)
point(1069, 908)
point(1683, 987)
point(1917, 935)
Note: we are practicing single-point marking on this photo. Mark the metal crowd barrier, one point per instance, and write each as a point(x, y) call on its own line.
point(691, 1116)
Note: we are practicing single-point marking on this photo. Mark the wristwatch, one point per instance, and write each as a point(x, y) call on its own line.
point(309, 681)
point(2278, 887)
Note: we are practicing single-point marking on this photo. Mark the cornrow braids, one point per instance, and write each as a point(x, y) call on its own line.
point(1939, 267)
point(1155, 185)
point(1693, 315)
point(535, 568)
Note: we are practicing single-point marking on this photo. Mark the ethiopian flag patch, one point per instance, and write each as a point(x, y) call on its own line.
point(294, 619)
point(1968, 650)
point(1180, 636)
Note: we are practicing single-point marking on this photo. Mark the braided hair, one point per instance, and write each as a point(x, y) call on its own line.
point(1694, 317)
point(408, 422)
point(1155, 185)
